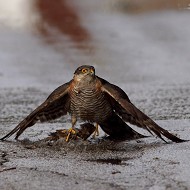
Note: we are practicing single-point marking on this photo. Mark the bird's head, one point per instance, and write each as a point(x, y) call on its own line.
point(86, 72)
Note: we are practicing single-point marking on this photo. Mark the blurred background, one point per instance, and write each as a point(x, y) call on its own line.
point(128, 41)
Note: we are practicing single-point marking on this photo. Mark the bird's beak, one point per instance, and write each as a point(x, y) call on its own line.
point(92, 72)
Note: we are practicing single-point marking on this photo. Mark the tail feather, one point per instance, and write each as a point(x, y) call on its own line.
point(117, 129)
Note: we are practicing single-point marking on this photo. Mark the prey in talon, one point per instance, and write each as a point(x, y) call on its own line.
point(92, 99)
point(83, 132)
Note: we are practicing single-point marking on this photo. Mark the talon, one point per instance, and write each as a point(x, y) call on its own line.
point(96, 132)
point(70, 131)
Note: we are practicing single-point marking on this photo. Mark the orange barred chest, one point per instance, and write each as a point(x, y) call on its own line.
point(89, 104)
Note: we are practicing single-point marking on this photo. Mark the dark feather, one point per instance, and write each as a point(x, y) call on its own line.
point(129, 113)
point(55, 106)
point(117, 129)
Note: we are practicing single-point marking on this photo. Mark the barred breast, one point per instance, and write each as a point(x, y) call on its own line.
point(89, 103)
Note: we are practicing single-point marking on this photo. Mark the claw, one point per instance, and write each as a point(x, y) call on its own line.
point(71, 131)
point(96, 132)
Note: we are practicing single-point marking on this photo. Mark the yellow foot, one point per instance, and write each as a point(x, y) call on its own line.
point(96, 132)
point(71, 131)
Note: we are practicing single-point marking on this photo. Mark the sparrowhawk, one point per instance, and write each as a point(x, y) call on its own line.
point(92, 99)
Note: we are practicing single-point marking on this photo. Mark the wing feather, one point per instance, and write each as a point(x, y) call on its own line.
point(129, 113)
point(56, 105)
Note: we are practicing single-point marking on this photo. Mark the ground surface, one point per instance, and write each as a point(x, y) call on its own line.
point(147, 55)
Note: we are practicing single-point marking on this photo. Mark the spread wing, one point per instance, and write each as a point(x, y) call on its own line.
point(129, 113)
point(55, 106)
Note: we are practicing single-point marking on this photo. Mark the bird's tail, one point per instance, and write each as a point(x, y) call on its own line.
point(117, 129)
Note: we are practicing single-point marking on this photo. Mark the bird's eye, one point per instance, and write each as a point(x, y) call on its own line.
point(84, 70)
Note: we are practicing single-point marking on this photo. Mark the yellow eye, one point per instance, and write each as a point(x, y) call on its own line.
point(84, 70)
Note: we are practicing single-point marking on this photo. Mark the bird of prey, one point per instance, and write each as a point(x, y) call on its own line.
point(92, 99)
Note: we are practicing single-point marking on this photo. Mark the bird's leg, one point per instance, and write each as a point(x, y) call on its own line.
point(96, 132)
point(71, 130)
